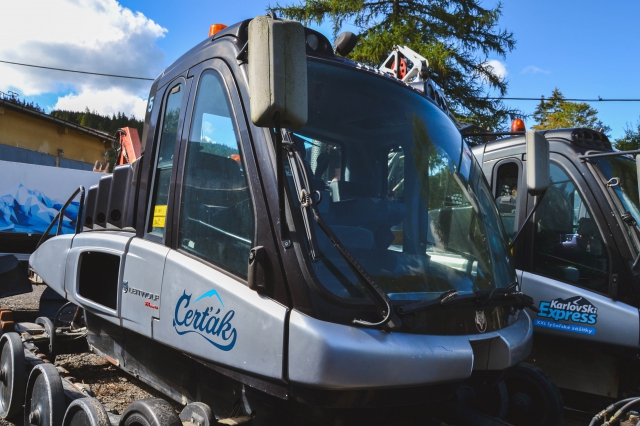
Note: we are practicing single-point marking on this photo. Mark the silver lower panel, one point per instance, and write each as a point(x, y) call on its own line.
point(334, 356)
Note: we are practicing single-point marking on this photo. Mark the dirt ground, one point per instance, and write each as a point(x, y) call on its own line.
point(112, 387)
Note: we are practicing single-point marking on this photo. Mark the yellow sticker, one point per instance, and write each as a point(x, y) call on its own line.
point(158, 221)
point(159, 216)
point(160, 211)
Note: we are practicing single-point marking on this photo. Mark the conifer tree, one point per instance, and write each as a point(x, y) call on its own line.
point(557, 113)
point(456, 36)
point(631, 139)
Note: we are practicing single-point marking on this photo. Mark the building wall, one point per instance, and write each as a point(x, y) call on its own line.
point(27, 132)
point(20, 155)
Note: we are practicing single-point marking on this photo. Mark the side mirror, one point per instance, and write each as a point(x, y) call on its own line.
point(277, 73)
point(538, 174)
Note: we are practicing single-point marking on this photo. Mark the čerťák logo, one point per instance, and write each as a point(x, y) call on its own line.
point(202, 317)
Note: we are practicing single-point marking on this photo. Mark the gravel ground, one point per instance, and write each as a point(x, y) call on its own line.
point(112, 387)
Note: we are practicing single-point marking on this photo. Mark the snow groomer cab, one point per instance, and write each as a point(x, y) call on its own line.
point(577, 256)
point(305, 238)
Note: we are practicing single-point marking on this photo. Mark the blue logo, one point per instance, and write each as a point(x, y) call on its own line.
point(213, 324)
point(576, 309)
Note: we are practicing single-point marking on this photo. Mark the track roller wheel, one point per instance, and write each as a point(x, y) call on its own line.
point(150, 412)
point(51, 331)
point(86, 412)
point(534, 399)
point(13, 378)
point(45, 402)
point(197, 413)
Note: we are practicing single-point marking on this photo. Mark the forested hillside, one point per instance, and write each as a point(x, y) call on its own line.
point(99, 122)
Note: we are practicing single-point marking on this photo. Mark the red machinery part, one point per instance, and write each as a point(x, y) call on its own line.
point(129, 145)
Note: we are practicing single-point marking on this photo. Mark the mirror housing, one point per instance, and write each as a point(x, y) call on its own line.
point(345, 43)
point(277, 73)
point(538, 174)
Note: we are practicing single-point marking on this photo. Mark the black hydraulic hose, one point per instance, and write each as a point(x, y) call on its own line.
point(80, 210)
point(55, 319)
point(376, 293)
point(379, 297)
point(58, 216)
point(609, 409)
point(620, 412)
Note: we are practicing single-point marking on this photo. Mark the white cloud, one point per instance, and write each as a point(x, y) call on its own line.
point(496, 67)
point(531, 69)
point(89, 35)
point(104, 102)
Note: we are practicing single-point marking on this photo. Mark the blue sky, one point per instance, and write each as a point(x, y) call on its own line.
point(586, 49)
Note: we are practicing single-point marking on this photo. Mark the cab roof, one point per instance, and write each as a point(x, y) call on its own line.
point(579, 137)
point(237, 34)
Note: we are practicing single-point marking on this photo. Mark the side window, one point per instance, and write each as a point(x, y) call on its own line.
point(506, 196)
point(216, 220)
point(567, 244)
point(164, 163)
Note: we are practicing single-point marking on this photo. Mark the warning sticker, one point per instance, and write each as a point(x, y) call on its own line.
point(159, 216)
point(160, 211)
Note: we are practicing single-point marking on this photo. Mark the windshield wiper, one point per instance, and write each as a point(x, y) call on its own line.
point(477, 298)
point(308, 205)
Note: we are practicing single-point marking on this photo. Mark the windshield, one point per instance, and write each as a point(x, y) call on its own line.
point(400, 190)
point(624, 170)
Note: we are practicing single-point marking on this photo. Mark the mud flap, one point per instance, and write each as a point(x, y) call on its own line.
point(13, 278)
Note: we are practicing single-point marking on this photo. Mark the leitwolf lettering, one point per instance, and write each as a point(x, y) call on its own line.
point(575, 309)
point(132, 290)
point(207, 321)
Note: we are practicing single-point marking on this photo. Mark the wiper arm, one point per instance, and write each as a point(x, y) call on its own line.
point(478, 298)
point(510, 292)
point(308, 205)
point(445, 298)
point(303, 188)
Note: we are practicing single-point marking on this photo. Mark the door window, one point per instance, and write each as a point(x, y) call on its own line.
point(506, 196)
point(216, 220)
point(164, 163)
point(567, 242)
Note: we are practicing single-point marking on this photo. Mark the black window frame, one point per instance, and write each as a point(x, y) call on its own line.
point(238, 115)
point(522, 190)
point(166, 238)
point(594, 209)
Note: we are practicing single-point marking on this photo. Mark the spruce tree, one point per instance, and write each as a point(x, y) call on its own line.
point(557, 113)
point(631, 139)
point(455, 36)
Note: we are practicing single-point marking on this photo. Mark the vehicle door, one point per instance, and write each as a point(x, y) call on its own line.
point(144, 266)
point(573, 265)
point(207, 308)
